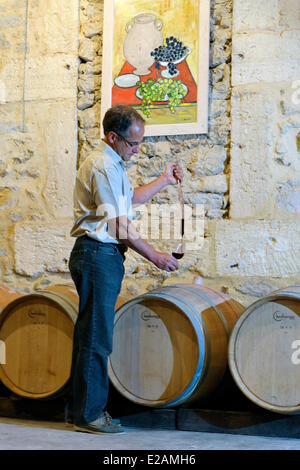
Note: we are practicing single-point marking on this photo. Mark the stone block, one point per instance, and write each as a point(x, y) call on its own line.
point(19, 149)
point(6, 256)
point(289, 14)
point(206, 160)
point(219, 129)
point(87, 51)
point(12, 20)
point(94, 67)
point(287, 146)
point(50, 77)
point(92, 28)
point(93, 10)
point(90, 117)
point(255, 15)
point(220, 82)
point(257, 288)
point(257, 248)
point(12, 42)
point(268, 56)
point(4, 43)
point(254, 116)
point(54, 125)
point(217, 108)
point(163, 149)
point(207, 200)
point(213, 184)
point(220, 50)
point(7, 198)
point(11, 117)
point(88, 83)
point(204, 259)
point(290, 102)
point(52, 28)
point(61, 156)
point(264, 155)
point(42, 247)
point(93, 136)
point(288, 196)
point(11, 80)
point(85, 100)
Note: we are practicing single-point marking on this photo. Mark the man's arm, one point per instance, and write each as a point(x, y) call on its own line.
point(144, 193)
point(123, 229)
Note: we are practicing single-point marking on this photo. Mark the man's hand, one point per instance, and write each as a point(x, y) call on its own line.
point(123, 229)
point(173, 173)
point(165, 261)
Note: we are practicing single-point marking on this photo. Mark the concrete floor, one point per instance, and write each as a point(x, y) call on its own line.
point(42, 435)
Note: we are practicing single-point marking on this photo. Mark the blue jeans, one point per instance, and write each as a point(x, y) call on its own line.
point(97, 270)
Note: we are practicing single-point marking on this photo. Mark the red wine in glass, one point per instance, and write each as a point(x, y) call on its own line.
point(177, 255)
point(178, 250)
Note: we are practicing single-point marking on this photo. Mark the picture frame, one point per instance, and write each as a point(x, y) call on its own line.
point(156, 59)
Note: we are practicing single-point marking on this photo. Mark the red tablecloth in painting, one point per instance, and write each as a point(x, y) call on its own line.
point(128, 95)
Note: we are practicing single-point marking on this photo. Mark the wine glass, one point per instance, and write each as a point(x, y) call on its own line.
point(178, 250)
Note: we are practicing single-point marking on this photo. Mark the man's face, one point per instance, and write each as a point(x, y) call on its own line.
point(129, 145)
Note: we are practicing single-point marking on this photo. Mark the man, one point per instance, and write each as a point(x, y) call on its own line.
point(102, 204)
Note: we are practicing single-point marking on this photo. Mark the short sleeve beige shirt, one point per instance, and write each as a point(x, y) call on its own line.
point(102, 192)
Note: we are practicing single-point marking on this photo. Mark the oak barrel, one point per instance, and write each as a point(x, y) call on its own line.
point(170, 345)
point(37, 331)
point(7, 295)
point(264, 351)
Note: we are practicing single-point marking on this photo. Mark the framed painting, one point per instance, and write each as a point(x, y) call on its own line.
point(156, 59)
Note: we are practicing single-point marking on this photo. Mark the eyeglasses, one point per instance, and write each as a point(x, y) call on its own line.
point(131, 144)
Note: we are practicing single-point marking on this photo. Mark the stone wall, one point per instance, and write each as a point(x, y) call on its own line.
point(261, 235)
point(244, 171)
point(204, 158)
point(38, 138)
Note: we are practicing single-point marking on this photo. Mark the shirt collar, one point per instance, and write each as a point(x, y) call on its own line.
point(110, 151)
